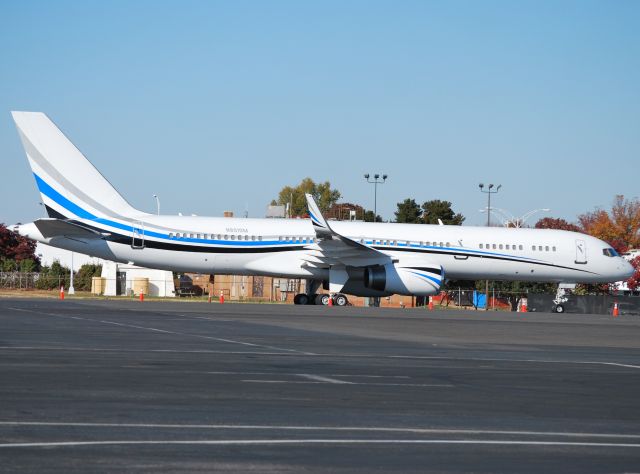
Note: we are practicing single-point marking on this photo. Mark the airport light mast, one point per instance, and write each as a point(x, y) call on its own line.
point(376, 181)
point(489, 191)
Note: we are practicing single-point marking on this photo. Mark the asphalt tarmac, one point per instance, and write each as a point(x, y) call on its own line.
point(125, 386)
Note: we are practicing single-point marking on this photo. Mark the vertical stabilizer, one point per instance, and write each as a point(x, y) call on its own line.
point(69, 184)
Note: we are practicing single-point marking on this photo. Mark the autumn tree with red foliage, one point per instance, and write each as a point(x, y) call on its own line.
point(15, 247)
point(553, 223)
point(634, 282)
point(620, 227)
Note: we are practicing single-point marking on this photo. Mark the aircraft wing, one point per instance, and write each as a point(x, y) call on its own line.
point(62, 228)
point(335, 249)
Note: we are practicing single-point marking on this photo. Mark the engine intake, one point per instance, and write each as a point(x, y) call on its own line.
point(419, 280)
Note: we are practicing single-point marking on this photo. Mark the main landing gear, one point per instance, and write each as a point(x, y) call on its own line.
point(320, 299)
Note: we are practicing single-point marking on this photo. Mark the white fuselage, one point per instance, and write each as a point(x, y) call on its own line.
point(278, 247)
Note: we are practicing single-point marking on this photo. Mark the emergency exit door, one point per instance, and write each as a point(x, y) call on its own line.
point(137, 235)
point(581, 251)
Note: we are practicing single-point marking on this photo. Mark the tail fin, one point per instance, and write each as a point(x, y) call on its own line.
point(69, 184)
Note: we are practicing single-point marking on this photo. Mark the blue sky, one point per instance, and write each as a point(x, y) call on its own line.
point(217, 105)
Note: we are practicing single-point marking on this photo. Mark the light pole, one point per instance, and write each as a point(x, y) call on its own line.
point(376, 181)
point(489, 191)
point(72, 290)
point(157, 203)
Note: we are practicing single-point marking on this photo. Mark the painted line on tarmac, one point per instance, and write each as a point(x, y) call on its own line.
point(371, 429)
point(249, 442)
point(536, 361)
point(298, 382)
point(223, 372)
point(312, 354)
point(165, 331)
point(320, 378)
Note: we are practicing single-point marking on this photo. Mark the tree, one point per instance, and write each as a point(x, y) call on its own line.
point(409, 212)
point(53, 277)
point(634, 282)
point(324, 195)
point(556, 223)
point(437, 209)
point(15, 248)
point(620, 227)
point(368, 217)
point(83, 277)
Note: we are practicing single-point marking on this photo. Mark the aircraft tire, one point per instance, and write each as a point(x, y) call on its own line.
point(340, 300)
point(558, 309)
point(322, 299)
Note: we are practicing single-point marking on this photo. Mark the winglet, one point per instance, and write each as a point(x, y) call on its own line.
point(317, 219)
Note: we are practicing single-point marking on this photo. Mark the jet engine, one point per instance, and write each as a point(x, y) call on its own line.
point(420, 280)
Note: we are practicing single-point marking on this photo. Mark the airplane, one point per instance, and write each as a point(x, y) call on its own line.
point(87, 215)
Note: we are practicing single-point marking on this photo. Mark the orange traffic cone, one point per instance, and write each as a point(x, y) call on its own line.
point(616, 312)
point(62, 292)
point(221, 296)
point(523, 305)
point(430, 303)
point(141, 296)
point(330, 300)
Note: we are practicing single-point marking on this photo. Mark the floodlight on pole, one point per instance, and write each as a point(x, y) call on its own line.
point(376, 181)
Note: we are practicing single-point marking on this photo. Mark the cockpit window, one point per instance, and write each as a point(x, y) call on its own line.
point(610, 252)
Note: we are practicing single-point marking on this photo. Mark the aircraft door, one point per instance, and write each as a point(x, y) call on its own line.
point(581, 251)
point(137, 235)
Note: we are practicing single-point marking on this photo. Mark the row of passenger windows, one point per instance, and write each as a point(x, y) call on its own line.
point(184, 235)
point(404, 243)
point(539, 248)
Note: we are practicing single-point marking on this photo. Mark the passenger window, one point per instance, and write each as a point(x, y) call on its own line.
point(540, 248)
point(171, 235)
point(441, 244)
point(546, 248)
point(533, 247)
point(520, 247)
point(506, 246)
point(553, 248)
point(226, 237)
point(448, 244)
point(500, 246)
point(481, 246)
point(494, 246)
point(259, 237)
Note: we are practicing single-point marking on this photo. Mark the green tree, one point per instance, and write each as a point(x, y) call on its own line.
point(368, 217)
point(437, 209)
point(53, 277)
point(408, 212)
point(82, 278)
point(324, 195)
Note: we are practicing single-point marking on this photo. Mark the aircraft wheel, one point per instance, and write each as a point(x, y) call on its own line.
point(340, 300)
point(559, 309)
point(312, 298)
point(301, 298)
point(322, 299)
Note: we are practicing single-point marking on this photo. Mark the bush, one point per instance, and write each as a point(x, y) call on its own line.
point(82, 278)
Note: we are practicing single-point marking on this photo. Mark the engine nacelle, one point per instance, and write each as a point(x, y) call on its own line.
point(419, 280)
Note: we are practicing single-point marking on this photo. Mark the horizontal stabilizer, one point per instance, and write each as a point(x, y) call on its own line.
point(59, 228)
